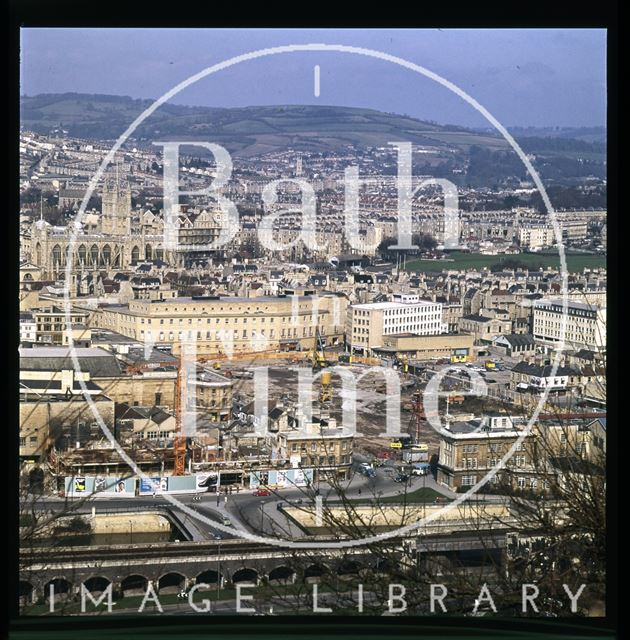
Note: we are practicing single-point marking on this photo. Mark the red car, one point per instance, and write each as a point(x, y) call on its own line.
point(262, 492)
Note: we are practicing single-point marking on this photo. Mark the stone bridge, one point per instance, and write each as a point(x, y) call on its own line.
point(172, 567)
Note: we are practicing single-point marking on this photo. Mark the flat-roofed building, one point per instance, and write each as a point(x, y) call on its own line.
point(369, 324)
point(428, 347)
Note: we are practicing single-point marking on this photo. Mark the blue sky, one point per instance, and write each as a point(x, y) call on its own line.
point(542, 77)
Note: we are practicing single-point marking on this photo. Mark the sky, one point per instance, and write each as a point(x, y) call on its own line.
point(523, 77)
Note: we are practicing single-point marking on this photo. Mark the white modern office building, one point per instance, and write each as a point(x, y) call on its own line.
point(404, 314)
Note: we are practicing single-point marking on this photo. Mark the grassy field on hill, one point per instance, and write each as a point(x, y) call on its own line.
point(575, 263)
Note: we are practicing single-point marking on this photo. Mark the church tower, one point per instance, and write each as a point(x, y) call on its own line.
point(116, 217)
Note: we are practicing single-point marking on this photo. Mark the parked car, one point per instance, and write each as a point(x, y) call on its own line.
point(262, 492)
point(226, 522)
point(401, 477)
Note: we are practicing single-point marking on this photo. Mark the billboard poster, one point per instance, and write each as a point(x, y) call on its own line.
point(281, 479)
point(79, 485)
point(207, 481)
point(100, 483)
point(149, 486)
point(299, 479)
point(152, 485)
point(119, 487)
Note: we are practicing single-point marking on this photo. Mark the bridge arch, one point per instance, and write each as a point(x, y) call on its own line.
point(96, 584)
point(348, 568)
point(281, 575)
point(134, 585)
point(210, 576)
point(171, 582)
point(245, 575)
point(314, 572)
point(25, 592)
point(62, 588)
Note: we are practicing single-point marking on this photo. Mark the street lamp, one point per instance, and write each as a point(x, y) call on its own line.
point(130, 531)
point(262, 515)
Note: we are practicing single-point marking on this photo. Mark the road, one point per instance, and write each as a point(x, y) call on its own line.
point(245, 510)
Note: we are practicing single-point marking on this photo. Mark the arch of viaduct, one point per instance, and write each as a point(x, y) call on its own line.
point(172, 575)
point(172, 568)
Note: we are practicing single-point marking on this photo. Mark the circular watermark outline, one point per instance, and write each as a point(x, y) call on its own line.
point(370, 53)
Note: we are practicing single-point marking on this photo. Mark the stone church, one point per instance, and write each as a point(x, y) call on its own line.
point(118, 240)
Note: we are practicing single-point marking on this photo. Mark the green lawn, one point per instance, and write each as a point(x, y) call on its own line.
point(422, 495)
point(575, 263)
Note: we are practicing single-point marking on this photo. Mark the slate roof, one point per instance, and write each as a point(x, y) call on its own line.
point(519, 340)
point(542, 371)
point(97, 362)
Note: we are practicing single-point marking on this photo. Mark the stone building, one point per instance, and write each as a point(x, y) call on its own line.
point(119, 240)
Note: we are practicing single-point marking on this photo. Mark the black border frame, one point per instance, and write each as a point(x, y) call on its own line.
point(116, 13)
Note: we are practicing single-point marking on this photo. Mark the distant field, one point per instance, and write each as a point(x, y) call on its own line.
point(575, 263)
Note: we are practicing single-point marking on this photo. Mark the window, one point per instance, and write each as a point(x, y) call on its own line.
point(158, 398)
point(22, 442)
point(469, 480)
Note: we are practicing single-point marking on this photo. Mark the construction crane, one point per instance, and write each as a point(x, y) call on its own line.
point(318, 358)
point(325, 393)
point(417, 415)
point(179, 441)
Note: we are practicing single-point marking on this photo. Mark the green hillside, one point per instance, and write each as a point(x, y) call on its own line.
point(244, 131)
